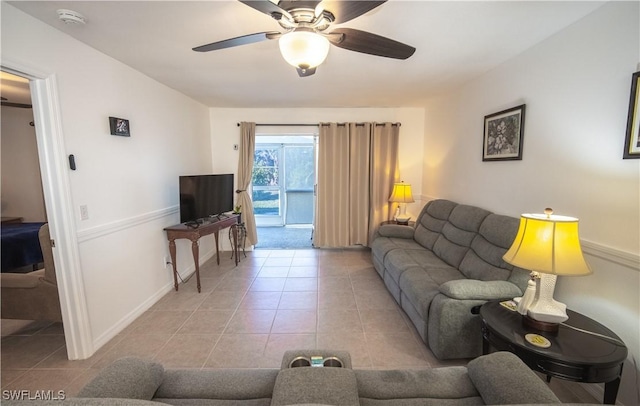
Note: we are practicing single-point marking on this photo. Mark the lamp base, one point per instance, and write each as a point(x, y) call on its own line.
point(540, 325)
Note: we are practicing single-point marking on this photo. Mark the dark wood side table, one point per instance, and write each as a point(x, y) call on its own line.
point(411, 223)
point(193, 233)
point(573, 355)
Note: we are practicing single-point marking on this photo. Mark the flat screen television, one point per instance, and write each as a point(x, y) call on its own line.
point(202, 196)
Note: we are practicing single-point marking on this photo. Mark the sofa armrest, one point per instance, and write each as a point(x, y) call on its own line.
point(130, 378)
point(471, 289)
point(502, 378)
point(396, 231)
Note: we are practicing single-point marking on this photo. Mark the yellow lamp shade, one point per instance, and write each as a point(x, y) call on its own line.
point(549, 244)
point(401, 193)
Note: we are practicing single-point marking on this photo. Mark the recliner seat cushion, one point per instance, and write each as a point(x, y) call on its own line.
point(227, 384)
point(399, 261)
point(451, 383)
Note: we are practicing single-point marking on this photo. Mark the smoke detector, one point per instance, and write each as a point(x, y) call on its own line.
point(70, 17)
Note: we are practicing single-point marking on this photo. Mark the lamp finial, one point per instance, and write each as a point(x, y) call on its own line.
point(548, 212)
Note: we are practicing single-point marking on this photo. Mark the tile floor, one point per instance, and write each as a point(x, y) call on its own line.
point(245, 317)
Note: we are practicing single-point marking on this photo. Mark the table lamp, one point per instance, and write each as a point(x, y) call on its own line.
point(401, 194)
point(549, 245)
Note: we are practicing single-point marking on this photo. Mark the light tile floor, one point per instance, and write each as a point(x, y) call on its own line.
point(245, 317)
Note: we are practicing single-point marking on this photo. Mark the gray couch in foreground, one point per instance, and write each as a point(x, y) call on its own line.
point(450, 262)
point(496, 379)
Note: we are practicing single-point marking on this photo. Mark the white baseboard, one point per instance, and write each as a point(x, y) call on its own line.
point(144, 306)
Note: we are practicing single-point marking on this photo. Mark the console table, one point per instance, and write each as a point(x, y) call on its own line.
point(573, 355)
point(194, 232)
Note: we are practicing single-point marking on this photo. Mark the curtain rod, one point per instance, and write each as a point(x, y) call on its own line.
point(310, 125)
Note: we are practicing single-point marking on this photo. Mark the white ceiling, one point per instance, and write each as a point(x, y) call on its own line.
point(456, 41)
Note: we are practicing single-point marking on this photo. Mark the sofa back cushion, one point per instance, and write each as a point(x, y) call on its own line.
point(458, 233)
point(484, 260)
point(431, 220)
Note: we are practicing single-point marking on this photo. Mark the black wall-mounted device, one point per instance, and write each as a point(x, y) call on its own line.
point(72, 162)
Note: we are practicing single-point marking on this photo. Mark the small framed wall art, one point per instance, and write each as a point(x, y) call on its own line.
point(632, 140)
point(119, 126)
point(503, 133)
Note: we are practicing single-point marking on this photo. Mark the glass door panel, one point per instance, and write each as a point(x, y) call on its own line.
point(267, 185)
point(299, 180)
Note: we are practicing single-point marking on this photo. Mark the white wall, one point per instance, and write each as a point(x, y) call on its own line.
point(21, 182)
point(225, 133)
point(576, 86)
point(130, 185)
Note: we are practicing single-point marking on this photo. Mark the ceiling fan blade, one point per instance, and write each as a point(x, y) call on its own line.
point(293, 4)
point(267, 7)
point(372, 44)
point(345, 10)
point(237, 41)
point(306, 72)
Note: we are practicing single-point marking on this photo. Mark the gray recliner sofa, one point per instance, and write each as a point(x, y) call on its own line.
point(495, 379)
point(449, 263)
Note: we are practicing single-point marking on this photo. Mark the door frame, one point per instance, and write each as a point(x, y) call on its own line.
point(59, 206)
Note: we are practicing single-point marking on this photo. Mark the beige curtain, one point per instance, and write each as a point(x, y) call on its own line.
point(357, 166)
point(245, 170)
point(384, 172)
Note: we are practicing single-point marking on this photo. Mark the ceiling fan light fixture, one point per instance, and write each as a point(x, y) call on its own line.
point(304, 49)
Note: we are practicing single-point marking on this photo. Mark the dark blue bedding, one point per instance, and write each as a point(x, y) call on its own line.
point(20, 245)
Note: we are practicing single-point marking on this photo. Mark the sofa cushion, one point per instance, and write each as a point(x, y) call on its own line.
point(398, 261)
point(130, 378)
point(431, 221)
point(420, 286)
point(451, 383)
point(458, 233)
point(83, 402)
point(381, 246)
point(327, 386)
point(502, 378)
point(230, 384)
point(484, 260)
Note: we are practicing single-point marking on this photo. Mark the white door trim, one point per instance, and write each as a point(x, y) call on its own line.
point(59, 205)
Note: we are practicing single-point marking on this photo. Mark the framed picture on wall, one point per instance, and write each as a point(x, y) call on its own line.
point(503, 133)
point(632, 140)
point(119, 126)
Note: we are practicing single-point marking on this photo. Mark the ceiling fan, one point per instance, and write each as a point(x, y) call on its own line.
point(306, 39)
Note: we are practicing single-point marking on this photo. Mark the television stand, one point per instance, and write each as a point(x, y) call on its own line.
point(213, 226)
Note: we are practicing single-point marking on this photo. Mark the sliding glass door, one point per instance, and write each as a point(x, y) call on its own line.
point(284, 176)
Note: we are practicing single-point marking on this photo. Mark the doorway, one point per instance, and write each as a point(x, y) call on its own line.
point(283, 190)
point(59, 209)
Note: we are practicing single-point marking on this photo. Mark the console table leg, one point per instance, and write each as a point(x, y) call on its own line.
point(196, 254)
point(217, 248)
point(611, 391)
point(172, 251)
point(234, 231)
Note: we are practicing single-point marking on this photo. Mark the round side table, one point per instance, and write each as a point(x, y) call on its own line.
point(573, 355)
